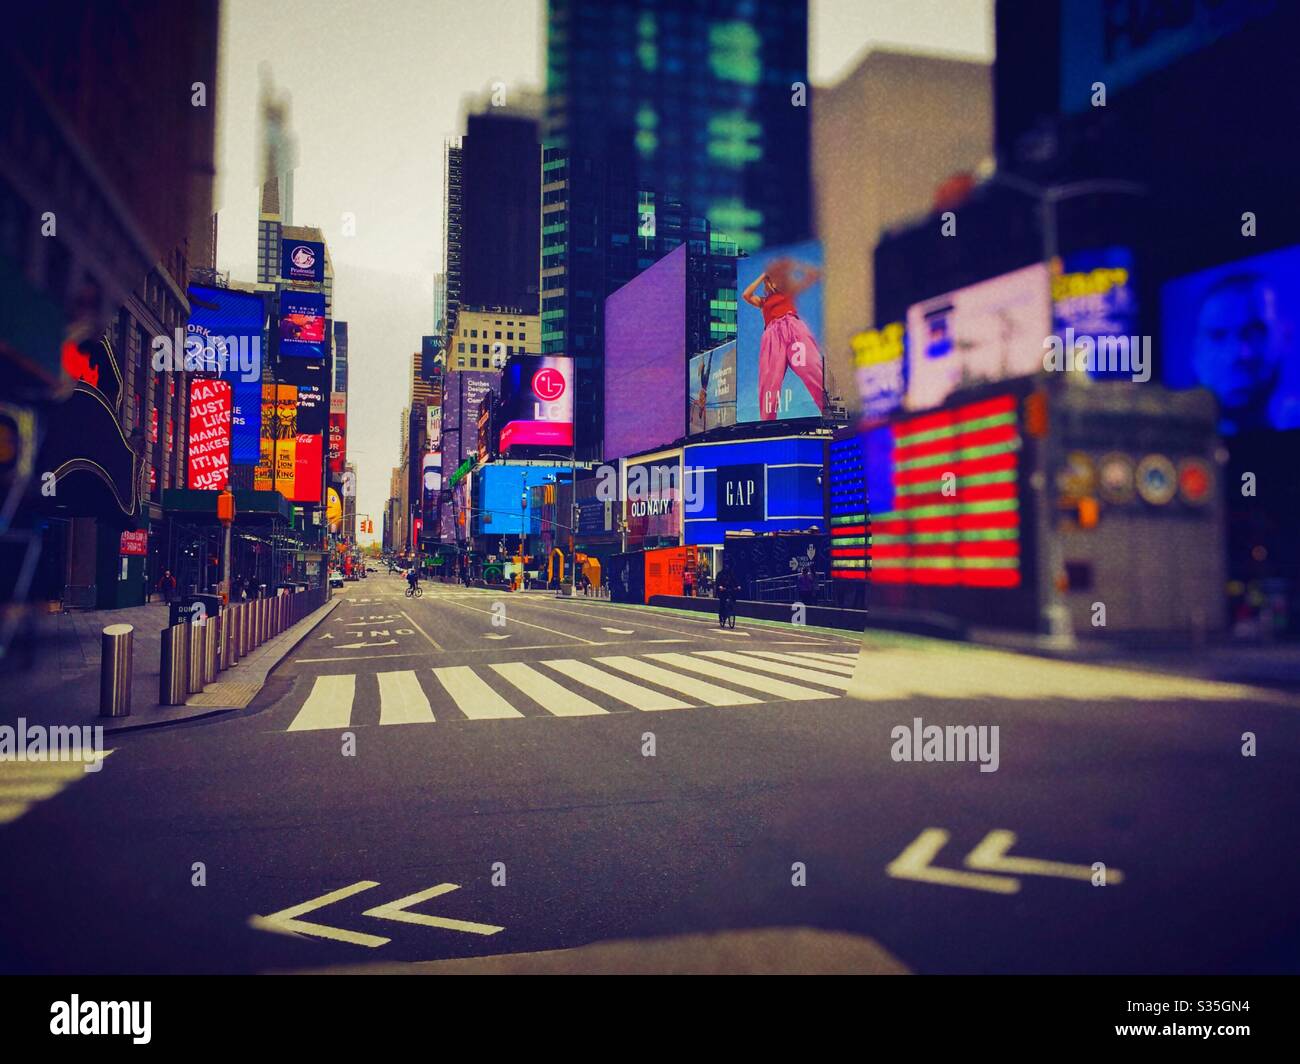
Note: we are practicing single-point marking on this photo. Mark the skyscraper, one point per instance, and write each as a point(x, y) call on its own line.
point(697, 103)
point(452, 223)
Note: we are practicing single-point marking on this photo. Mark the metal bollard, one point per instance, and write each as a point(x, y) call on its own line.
point(174, 666)
point(230, 628)
point(261, 621)
point(196, 639)
point(210, 651)
point(115, 662)
point(220, 622)
point(241, 629)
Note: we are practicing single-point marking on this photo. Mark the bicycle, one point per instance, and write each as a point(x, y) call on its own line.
point(726, 613)
point(415, 592)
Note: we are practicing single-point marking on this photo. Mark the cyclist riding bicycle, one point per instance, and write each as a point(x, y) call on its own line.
point(413, 580)
point(727, 589)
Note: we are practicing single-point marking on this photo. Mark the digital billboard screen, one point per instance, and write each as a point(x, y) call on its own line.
point(302, 324)
point(1233, 329)
point(232, 321)
point(537, 402)
point(780, 373)
point(711, 385)
point(308, 458)
point(645, 353)
point(209, 437)
point(653, 499)
point(964, 532)
point(848, 507)
point(1094, 296)
point(338, 436)
point(302, 260)
point(462, 397)
point(880, 367)
point(279, 441)
point(503, 493)
point(989, 331)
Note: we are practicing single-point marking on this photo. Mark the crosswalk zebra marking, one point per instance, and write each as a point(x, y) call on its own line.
point(781, 669)
point(472, 695)
point(632, 693)
point(329, 706)
point(845, 659)
point(402, 700)
point(553, 698)
point(710, 694)
point(841, 668)
point(745, 679)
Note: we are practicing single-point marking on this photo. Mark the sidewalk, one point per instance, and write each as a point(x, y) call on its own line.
point(62, 686)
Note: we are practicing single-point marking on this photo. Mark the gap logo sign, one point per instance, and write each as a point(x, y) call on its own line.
point(740, 493)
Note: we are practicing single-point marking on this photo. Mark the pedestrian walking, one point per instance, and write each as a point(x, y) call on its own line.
point(807, 586)
point(167, 586)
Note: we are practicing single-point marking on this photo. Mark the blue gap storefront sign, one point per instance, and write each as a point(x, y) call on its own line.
point(786, 494)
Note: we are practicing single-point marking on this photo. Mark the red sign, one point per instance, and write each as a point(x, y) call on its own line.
point(136, 543)
point(307, 468)
point(209, 468)
point(338, 443)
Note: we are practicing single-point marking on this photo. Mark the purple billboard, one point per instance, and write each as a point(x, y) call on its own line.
point(463, 392)
point(645, 359)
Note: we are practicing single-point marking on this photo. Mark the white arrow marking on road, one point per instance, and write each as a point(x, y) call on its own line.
point(990, 855)
point(914, 863)
point(396, 910)
point(286, 920)
point(327, 635)
point(619, 631)
point(358, 646)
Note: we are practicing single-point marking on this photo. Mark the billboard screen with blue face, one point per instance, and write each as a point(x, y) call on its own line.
point(302, 324)
point(1233, 329)
point(502, 492)
point(232, 322)
point(780, 372)
point(645, 353)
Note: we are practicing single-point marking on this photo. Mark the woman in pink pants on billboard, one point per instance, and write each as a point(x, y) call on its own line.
point(787, 341)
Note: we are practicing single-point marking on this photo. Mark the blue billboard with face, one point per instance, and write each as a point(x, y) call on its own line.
point(780, 373)
point(1232, 329)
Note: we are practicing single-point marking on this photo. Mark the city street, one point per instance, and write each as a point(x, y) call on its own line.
point(473, 773)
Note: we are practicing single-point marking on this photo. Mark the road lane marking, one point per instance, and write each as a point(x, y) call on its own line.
point(847, 659)
point(329, 706)
point(529, 624)
point(396, 910)
point(711, 694)
point(358, 657)
point(553, 698)
point(743, 679)
point(286, 920)
point(420, 630)
point(472, 696)
point(752, 661)
point(625, 691)
point(619, 631)
point(402, 700)
point(840, 667)
point(914, 863)
point(990, 856)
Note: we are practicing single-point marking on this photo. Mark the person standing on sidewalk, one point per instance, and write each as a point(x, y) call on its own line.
point(167, 586)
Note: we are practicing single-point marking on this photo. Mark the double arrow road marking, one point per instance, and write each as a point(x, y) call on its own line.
point(990, 856)
point(287, 921)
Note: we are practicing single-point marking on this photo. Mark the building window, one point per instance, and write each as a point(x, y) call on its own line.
point(473, 362)
point(510, 336)
point(510, 350)
point(473, 349)
point(473, 332)
point(461, 347)
point(498, 336)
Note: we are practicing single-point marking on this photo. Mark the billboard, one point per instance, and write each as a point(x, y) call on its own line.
point(653, 499)
point(308, 467)
point(338, 445)
point(945, 497)
point(302, 260)
point(537, 402)
point(502, 490)
point(848, 507)
point(645, 353)
point(279, 440)
point(765, 485)
point(1233, 329)
point(302, 324)
point(711, 384)
point(209, 439)
point(987, 332)
point(1094, 295)
point(779, 365)
point(311, 382)
point(232, 321)
point(880, 367)
point(460, 406)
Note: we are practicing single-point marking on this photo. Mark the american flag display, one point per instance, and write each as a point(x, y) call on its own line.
point(944, 497)
point(850, 537)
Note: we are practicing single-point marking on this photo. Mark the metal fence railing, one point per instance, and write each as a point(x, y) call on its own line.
point(786, 589)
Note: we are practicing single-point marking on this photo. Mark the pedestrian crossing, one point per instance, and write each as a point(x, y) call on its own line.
point(24, 783)
point(571, 687)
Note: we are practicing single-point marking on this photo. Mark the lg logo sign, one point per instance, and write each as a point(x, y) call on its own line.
point(548, 384)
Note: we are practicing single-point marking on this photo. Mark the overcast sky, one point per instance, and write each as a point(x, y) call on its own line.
point(376, 86)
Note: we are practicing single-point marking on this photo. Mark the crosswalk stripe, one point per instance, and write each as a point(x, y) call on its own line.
point(842, 668)
point(782, 669)
point(631, 693)
point(29, 791)
point(743, 679)
point(848, 659)
point(328, 706)
point(708, 693)
point(472, 695)
point(546, 692)
point(402, 700)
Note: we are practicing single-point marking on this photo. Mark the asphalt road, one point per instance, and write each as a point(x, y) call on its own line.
point(474, 774)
